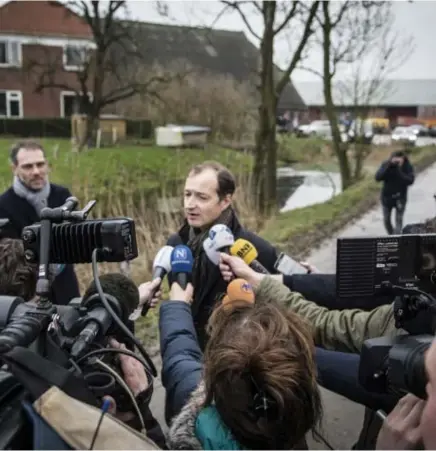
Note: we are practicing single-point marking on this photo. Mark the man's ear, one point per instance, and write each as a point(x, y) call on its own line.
point(226, 201)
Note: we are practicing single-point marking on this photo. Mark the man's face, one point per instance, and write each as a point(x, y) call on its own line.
point(31, 168)
point(398, 160)
point(201, 202)
point(429, 413)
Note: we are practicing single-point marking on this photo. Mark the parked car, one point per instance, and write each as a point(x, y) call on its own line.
point(404, 134)
point(318, 128)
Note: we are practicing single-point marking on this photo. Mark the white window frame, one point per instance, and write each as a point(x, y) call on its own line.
point(70, 67)
point(12, 95)
point(9, 42)
point(64, 94)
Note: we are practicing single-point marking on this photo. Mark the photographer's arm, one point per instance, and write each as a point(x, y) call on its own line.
point(406, 173)
point(344, 330)
point(381, 173)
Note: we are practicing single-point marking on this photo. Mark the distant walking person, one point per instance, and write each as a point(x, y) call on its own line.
point(397, 175)
point(22, 203)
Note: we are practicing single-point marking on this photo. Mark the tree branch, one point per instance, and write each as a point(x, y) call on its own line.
point(236, 6)
point(284, 80)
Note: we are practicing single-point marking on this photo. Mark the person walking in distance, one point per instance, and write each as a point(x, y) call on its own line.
point(397, 174)
point(22, 203)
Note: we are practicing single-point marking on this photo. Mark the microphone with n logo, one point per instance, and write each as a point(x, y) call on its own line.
point(182, 262)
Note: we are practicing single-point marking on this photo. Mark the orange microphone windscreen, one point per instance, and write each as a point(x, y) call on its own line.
point(239, 291)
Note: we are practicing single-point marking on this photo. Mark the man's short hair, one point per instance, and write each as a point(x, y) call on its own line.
point(17, 276)
point(27, 144)
point(226, 180)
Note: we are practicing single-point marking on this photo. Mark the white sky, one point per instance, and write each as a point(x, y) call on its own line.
point(417, 18)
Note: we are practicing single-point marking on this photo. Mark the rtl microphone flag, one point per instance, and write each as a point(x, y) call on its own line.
point(182, 262)
point(239, 292)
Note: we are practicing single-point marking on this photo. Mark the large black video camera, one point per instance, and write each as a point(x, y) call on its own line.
point(71, 338)
point(403, 266)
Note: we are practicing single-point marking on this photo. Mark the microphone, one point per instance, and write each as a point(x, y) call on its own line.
point(212, 254)
point(161, 267)
point(123, 296)
point(245, 250)
point(182, 262)
point(239, 292)
point(222, 237)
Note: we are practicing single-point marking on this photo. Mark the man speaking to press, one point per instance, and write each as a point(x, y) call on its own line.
point(208, 196)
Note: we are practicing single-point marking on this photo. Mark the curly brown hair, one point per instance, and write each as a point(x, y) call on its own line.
point(262, 347)
point(17, 276)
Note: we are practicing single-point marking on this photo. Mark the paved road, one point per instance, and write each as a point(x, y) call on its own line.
point(343, 418)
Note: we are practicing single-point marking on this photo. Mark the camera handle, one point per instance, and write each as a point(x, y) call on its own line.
point(410, 301)
point(49, 216)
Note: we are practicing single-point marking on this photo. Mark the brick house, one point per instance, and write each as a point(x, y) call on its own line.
point(48, 31)
point(31, 31)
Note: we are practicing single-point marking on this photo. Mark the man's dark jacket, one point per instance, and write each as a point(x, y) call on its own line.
point(205, 297)
point(21, 214)
point(396, 180)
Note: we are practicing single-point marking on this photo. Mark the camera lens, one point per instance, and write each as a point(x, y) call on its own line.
point(415, 372)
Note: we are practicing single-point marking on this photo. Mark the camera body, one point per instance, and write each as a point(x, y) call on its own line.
point(403, 266)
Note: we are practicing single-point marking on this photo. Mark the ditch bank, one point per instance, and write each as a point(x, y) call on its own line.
point(300, 231)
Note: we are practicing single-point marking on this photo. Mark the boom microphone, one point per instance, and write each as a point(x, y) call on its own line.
point(221, 237)
point(239, 292)
point(245, 250)
point(123, 296)
point(182, 262)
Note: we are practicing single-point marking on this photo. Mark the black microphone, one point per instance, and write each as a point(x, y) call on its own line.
point(123, 296)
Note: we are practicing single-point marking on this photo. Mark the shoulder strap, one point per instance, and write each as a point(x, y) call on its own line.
point(37, 375)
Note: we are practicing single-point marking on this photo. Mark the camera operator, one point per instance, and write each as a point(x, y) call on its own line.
point(136, 379)
point(30, 192)
point(412, 421)
point(256, 372)
point(397, 175)
point(17, 276)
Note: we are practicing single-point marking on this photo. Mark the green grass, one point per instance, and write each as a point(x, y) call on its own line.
point(142, 168)
point(299, 230)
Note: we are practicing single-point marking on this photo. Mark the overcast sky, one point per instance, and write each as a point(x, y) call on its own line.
point(416, 19)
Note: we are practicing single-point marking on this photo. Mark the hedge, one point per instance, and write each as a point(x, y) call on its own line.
point(59, 127)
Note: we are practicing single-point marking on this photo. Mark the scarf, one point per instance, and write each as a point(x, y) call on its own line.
point(200, 270)
point(38, 199)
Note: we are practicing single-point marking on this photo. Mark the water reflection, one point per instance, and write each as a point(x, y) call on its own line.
point(306, 187)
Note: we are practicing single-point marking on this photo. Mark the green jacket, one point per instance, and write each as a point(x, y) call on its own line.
point(339, 330)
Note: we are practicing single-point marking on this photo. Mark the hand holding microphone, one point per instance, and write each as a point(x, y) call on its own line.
point(149, 292)
point(245, 250)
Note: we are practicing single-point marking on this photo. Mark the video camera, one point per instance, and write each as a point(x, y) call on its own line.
point(72, 336)
point(403, 266)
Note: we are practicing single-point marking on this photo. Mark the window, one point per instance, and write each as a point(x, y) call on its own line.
point(10, 53)
point(70, 104)
point(11, 104)
point(74, 57)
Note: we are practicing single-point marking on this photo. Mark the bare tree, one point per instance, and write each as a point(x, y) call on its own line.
point(276, 17)
point(349, 34)
point(110, 70)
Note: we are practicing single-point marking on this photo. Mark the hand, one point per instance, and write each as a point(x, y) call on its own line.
point(231, 266)
point(401, 429)
point(133, 371)
point(177, 293)
point(146, 291)
point(310, 268)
